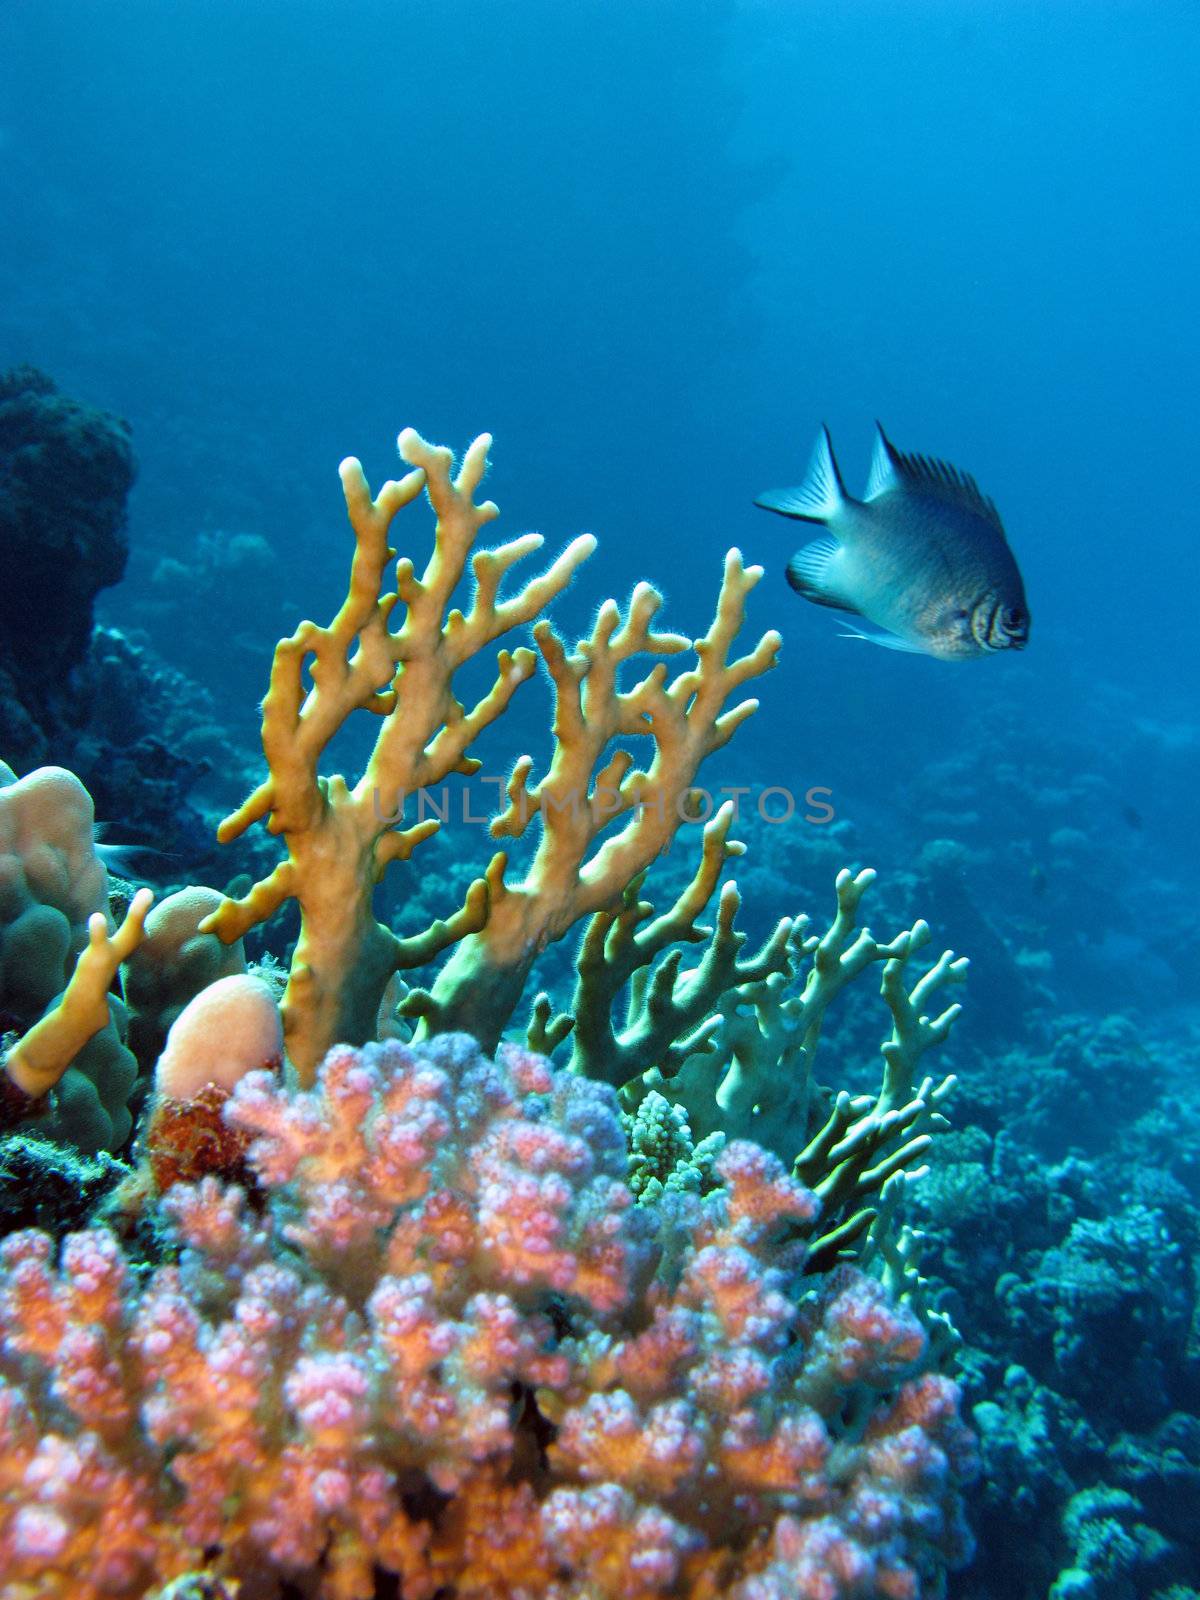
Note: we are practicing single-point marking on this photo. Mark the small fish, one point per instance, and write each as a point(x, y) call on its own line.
point(923, 555)
point(134, 862)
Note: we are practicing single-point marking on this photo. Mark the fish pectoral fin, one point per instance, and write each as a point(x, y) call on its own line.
point(812, 572)
point(889, 641)
point(822, 494)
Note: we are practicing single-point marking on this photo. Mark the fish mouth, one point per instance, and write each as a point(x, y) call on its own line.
point(999, 627)
point(1014, 626)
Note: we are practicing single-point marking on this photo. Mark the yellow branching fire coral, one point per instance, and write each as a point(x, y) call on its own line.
point(40, 1057)
point(60, 952)
point(340, 838)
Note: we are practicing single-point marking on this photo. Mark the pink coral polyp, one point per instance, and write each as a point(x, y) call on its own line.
point(449, 1347)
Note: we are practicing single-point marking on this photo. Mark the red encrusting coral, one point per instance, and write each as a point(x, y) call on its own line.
point(450, 1347)
point(186, 1140)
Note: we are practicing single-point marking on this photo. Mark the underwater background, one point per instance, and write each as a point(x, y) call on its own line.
point(651, 246)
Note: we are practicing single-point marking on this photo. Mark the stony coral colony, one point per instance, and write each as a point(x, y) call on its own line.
point(614, 1301)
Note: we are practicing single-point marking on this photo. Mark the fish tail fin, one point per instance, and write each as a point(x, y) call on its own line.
point(822, 494)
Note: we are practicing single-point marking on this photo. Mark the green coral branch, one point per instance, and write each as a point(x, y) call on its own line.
point(669, 1013)
point(752, 1075)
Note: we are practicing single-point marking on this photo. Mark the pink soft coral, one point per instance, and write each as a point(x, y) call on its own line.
point(450, 1347)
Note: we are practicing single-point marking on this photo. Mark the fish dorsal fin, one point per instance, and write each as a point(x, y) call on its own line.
point(884, 473)
point(938, 478)
point(822, 494)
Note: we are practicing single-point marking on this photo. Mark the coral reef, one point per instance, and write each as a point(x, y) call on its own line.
point(645, 1323)
point(1061, 1222)
point(1059, 1232)
point(452, 1348)
point(1062, 1274)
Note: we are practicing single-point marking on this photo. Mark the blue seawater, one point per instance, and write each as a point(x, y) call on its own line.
point(651, 245)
